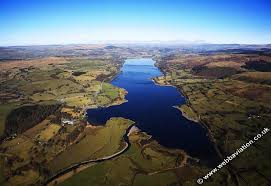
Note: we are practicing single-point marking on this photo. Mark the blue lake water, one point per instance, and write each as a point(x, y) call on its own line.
point(151, 107)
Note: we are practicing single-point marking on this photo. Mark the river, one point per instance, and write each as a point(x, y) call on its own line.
point(151, 107)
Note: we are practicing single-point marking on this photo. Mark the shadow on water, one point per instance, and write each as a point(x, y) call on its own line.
point(151, 107)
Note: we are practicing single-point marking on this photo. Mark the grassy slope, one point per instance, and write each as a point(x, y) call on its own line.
point(133, 166)
point(98, 143)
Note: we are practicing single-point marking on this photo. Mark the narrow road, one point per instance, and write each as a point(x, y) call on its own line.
point(77, 165)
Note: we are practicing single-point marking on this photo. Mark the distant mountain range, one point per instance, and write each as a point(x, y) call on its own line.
point(117, 47)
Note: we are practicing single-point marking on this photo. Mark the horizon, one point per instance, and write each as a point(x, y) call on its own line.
point(81, 22)
point(140, 43)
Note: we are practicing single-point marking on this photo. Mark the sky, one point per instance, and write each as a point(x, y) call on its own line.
point(31, 22)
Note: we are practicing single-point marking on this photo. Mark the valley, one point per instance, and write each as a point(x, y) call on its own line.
point(74, 119)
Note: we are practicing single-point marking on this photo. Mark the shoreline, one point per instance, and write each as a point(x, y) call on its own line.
point(66, 173)
point(186, 116)
point(200, 122)
point(78, 167)
point(162, 85)
point(85, 164)
point(182, 94)
point(124, 100)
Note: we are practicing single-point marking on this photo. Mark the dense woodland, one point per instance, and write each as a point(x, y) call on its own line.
point(25, 117)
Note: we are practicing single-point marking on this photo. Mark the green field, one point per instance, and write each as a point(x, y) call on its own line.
point(235, 107)
point(97, 143)
point(139, 162)
point(72, 83)
point(58, 83)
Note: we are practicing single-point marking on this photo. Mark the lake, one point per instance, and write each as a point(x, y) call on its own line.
point(151, 107)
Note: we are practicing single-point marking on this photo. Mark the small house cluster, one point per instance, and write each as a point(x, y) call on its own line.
point(66, 121)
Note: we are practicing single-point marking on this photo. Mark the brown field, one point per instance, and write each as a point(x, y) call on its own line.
point(217, 60)
point(233, 102)
point(32, 63)
point(256, 77)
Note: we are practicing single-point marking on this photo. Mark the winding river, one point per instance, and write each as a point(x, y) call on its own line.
point(151, 107)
